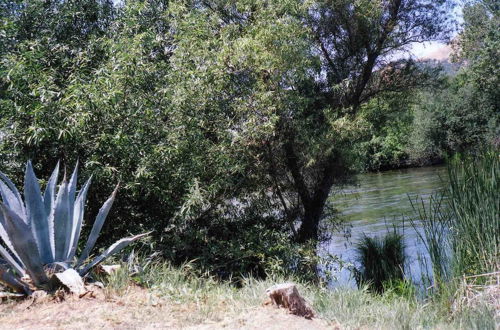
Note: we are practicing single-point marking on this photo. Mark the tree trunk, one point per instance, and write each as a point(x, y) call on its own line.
point(309, 228)
point(313, 199)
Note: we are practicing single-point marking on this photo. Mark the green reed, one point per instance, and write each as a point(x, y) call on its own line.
point(473, 196)
point(461, 225)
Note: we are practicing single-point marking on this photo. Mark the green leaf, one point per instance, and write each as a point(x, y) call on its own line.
point(5, 237)
point(12, 187)
point(10, 199)
point(13, 282)
point(11, 261)
point(71, 200)
point(49, 196)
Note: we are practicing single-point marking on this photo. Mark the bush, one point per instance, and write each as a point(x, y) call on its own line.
point(381, 261)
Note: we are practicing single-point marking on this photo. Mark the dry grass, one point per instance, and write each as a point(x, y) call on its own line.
point(479, 290)
point(162, 297)
point(138, 308)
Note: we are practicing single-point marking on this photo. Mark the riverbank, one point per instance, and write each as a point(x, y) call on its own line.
point(407, 164)
point(161, 296)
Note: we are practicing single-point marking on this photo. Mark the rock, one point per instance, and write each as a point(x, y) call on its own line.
point(287, 296)
point(108, 269)
point(70, 280)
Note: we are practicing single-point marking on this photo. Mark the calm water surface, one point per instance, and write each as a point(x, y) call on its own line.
point(380, 201)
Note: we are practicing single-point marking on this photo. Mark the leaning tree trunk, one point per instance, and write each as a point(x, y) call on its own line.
point(313, 199)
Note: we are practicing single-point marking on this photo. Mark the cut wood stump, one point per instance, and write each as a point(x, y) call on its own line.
point(287, 296)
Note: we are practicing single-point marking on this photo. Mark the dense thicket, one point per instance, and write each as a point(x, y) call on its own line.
point(226, 122)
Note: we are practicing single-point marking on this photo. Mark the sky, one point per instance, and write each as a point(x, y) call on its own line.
point(437, 50)
point(431, 50)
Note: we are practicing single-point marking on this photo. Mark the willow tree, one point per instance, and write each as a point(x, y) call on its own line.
point(357, 43)
point(303, 69)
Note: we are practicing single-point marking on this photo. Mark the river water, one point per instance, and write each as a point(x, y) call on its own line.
point(377, 203)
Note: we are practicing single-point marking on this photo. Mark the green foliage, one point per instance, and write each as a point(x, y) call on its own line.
point(456, 118)
point(43, 231)
point(463, 114)
point(391, 122)
point(382, 261)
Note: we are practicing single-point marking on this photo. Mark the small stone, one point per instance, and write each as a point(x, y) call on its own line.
point(70, 280)
point(287, 296)
point(108, 269)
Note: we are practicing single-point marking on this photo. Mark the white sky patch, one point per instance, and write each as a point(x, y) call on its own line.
point(433, 50)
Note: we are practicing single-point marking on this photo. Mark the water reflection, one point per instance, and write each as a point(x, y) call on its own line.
point(380, 201)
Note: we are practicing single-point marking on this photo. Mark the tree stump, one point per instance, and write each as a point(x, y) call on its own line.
point(287, 296)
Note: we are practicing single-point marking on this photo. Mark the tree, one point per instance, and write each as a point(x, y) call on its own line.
point(355, 41)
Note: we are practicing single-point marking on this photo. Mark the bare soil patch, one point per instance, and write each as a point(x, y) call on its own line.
point(138, 309)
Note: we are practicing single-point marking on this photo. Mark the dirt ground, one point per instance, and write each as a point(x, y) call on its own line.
point(138, 310)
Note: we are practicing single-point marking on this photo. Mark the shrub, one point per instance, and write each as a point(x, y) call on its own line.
point(381, 261)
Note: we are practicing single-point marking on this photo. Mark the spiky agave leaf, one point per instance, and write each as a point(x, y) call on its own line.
point(49, 199)
point(36, 214)
point(71, 200)
point(25, 245)
point(12, 281)
point(96, 228)
point(11, 261)
point(5, 237)
point(115, 248)
point(78, 212)
point(11, 200)
point(20, 206)
point(61, 217)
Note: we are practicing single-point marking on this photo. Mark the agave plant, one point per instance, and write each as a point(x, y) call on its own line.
point(41, 233)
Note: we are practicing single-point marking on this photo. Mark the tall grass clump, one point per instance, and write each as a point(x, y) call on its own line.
point(461, 224)
point(473, 197)
point(381, 261)
point(435, 224)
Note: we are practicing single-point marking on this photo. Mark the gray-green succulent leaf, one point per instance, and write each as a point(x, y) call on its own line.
point(42, 232)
